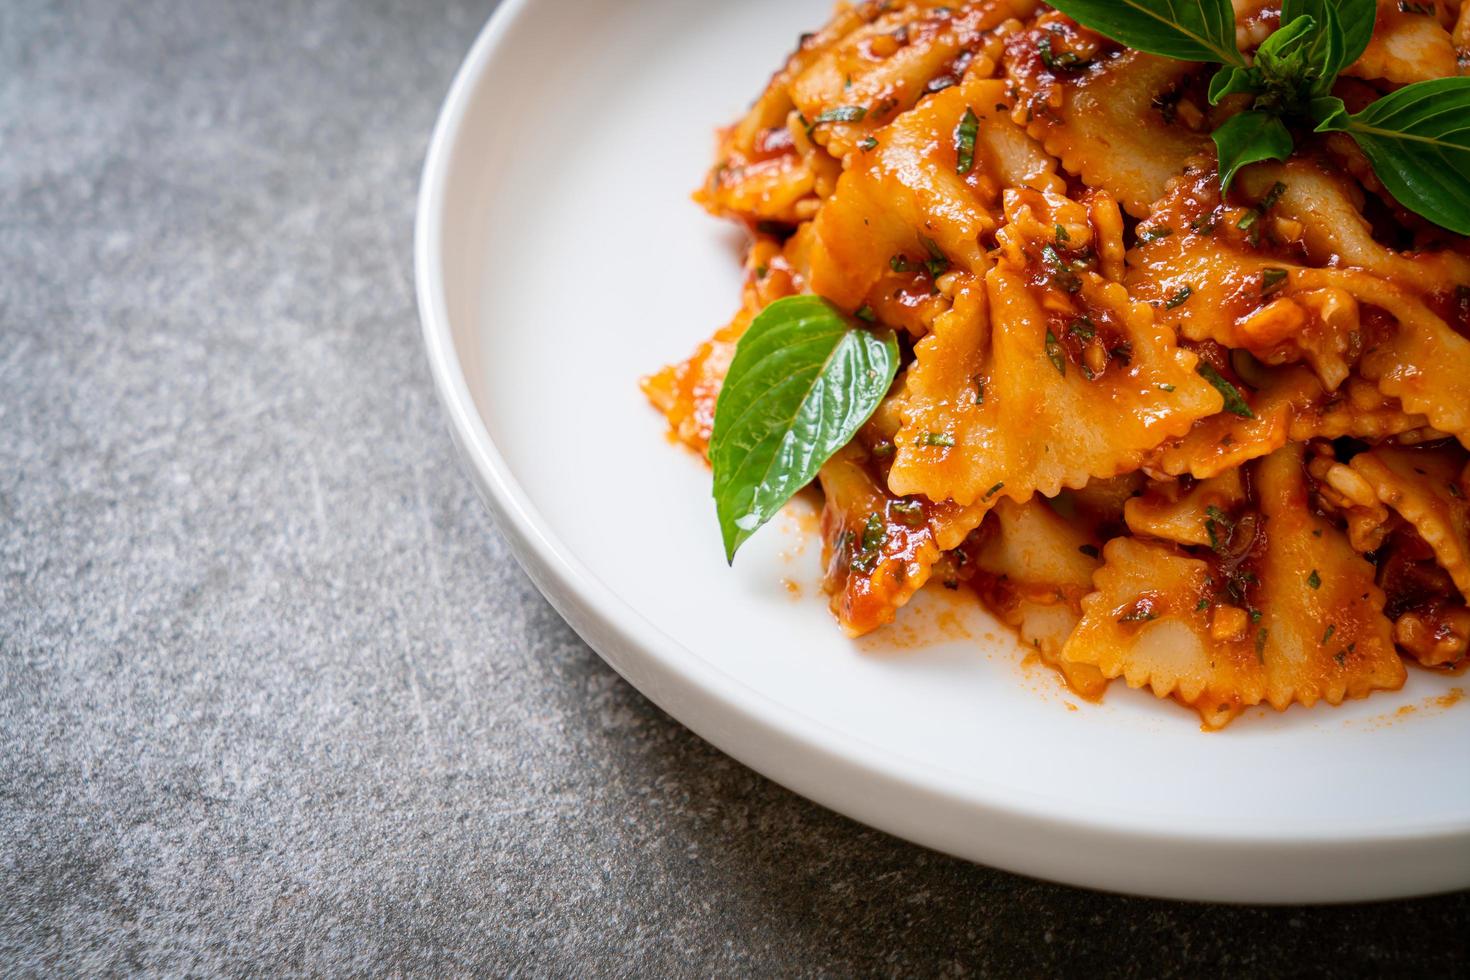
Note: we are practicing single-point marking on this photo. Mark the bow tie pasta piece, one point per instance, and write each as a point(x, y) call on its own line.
point(1310, 575)
point(1033, 569)
point(1189, 516)
point(1423, 557)
point(878, 550)
point(1413, 355)
point(889, 64)
point(766, 170)
point(1408, 45)
point(1285, 405)
point(1357, 409)
point(1428, 488)
point(1151, 622)
point(1210, 279)
point(992, 409)
point(1408, 348)
point(904, 219)
point(1319, 209)
point(1226, 628)
point(1116, 122)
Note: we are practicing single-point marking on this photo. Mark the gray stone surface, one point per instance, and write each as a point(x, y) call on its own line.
point(273, 695)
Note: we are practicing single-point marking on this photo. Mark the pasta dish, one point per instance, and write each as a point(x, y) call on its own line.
point(1060, 320)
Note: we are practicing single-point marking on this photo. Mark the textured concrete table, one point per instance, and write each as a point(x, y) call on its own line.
point(273, 695)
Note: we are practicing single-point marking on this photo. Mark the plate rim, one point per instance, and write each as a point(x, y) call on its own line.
point(790, 748)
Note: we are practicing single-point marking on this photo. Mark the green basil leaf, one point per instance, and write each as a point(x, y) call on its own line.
point(1285, 53)
point(1190, 30)
point(1233, 80)
point(803, 380)
point(1234, 403)
point(1347, 27)
point(1418, 140)
point(1324, 49)
point(1249, 137)
point(1285, 68)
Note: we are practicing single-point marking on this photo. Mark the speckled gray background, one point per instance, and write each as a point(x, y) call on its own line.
point(273, 695)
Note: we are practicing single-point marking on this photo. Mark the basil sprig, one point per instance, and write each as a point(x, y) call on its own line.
point(803, 381)
point(1417, 138)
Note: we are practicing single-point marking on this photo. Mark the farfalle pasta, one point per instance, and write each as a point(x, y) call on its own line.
point(1210, 443)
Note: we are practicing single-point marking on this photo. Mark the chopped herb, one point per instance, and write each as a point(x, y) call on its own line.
point(1259, 211)
point(937, 264)
point(1061, 234)
point(979, 391)
point(1178, 297)
point(1123, 352)
point(1271, 280)
point(1314, 580)
point(1062, 276)
point(1090, 550)
point(863, 561)
point(873, 533)
point(1066, 61)
point(1140, 615)
point(882, 450)
point(1166, 387)
point(994, 490)
point(1261, 635)
point(1055, 355)
point(1255, 615)
point(938, 439)
point(1331, 628)
point(1215, 523)
point(1340, 656)
point(865, 312)
point(909, 512)
point(761, 271)
point(1202, 605)
point(868, 143)
point(842, 113)
point(964, 142)
point(1082, 327)
point(900, 264)
point(1234, 403)
point(1204, 224)
point(1154, 234)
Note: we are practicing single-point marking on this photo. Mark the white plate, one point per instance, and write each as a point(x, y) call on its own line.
point(559, 258)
